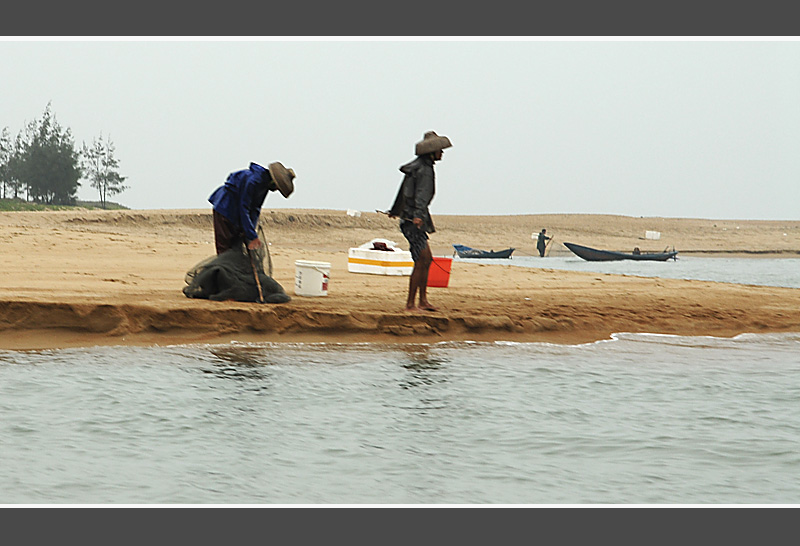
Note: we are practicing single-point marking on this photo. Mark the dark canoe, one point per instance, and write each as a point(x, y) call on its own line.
point(467, 252)
point(595, 255)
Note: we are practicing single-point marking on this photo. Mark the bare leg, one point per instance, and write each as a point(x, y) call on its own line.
point(425, 260)
point(418, 283)
point(413, 286)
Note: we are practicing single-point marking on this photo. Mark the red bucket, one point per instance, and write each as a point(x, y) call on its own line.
point(439, 272)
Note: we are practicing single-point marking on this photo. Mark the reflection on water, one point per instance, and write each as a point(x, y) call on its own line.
point(639, 419)
point(424, 367)
point(239, 372)
point(240, 354)
point(240, 363)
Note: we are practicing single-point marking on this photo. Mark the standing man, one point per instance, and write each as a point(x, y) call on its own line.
point(237, 203)
point(411, 206)
point(541, 242)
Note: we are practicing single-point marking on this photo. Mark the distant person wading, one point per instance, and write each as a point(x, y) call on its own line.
point(541, 242)
point(411, 206)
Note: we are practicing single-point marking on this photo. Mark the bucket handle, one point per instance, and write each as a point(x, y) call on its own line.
point(439, 266)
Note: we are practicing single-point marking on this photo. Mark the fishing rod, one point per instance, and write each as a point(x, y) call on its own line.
point(386, 212)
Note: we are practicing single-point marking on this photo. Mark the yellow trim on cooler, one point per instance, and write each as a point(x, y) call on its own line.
point(379, 263)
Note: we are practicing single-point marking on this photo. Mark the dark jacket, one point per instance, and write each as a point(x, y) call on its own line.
point(540, 242)
point(241, 197)
point(416, 192)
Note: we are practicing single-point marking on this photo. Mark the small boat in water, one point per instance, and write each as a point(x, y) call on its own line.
point(468, 252)
point(594, 255)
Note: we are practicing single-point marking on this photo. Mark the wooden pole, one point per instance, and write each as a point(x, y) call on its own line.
point(255, 275)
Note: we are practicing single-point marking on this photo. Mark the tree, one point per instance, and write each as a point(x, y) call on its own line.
point(100, 168)
point(6, 148)
point(13, 167)
point(45, 161)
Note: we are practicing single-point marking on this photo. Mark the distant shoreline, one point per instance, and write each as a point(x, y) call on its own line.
point(743, 253)
point(99, 277)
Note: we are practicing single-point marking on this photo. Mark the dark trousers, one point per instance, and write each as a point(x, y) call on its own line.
point(226, 235)
point(417, 238)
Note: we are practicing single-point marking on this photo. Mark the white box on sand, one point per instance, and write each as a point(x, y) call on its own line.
point(654, 235)
point(365, 259)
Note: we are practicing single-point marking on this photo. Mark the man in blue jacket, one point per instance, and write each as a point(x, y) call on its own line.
point(237, 203)
point(411, 206)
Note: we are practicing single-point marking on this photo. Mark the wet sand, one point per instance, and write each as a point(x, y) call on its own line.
point(84, 278)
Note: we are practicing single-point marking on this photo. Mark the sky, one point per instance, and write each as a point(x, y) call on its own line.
point(653, 127)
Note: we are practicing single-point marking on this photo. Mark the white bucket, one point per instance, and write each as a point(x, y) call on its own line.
point(311, 278)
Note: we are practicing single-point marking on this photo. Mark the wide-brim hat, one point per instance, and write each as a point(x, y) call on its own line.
point(283, 178)
point(431, 142)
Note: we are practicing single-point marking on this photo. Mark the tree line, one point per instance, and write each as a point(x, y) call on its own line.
point(41, 164)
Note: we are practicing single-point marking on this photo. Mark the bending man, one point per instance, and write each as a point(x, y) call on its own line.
point(237, 203)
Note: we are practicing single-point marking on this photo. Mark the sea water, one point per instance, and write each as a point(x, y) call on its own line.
point(637, 419)
point(783, 272)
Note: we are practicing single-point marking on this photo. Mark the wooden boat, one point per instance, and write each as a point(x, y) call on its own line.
point(467, 252)
point(595, 255)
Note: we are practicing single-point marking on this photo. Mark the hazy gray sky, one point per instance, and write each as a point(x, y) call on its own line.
point(651, 127)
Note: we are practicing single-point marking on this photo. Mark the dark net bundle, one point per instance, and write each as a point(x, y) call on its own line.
point(230, 276)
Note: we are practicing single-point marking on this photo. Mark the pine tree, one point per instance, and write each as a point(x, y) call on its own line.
point(6, 148)
point(100, 168)
point(45, 162)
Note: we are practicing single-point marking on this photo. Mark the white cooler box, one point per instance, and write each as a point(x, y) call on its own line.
point(379, 262)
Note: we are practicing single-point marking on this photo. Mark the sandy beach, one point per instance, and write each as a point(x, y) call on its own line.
point(89, 277)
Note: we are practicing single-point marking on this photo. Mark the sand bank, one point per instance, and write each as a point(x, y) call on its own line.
point(83, 278)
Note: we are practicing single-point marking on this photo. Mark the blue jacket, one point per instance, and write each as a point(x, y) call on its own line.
point(241, 197)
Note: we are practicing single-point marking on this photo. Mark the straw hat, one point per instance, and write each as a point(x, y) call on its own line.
point(432, 142)
point(283, 178)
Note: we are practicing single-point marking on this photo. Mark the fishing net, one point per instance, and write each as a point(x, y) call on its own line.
point(232, 276)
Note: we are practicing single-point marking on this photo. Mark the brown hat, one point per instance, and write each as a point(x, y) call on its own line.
point(432, 142)
point(283, 178)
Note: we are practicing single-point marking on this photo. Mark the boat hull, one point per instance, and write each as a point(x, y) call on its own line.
point(594, 255)
point(467, 252)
